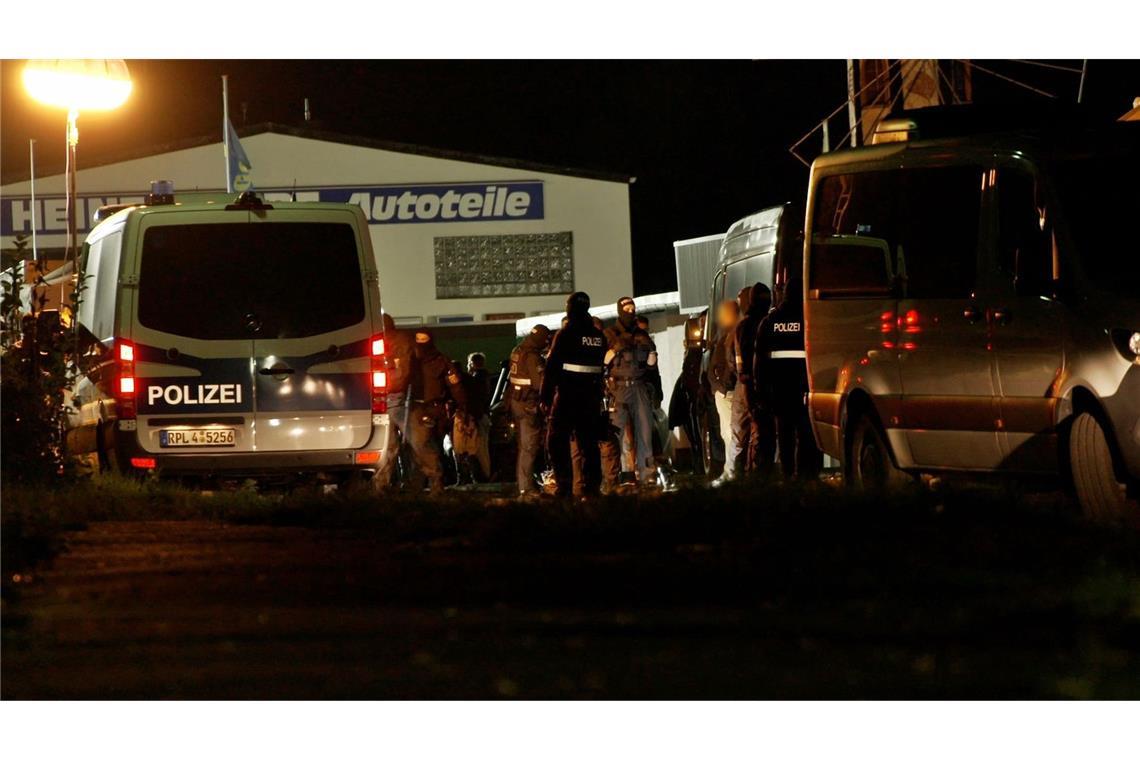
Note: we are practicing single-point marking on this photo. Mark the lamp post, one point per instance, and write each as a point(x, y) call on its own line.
point(77, 85)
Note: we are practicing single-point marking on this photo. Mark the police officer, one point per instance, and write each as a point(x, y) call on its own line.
point(434, 381)
point(398, 358)
point(631, 363)
point(525, 384)
point(781, 375)
point(758, 420)
point(572, 392)
point(607, 438)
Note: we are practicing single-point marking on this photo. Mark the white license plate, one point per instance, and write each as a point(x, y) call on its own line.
point(202, 437)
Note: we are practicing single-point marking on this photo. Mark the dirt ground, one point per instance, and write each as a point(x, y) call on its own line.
point(788, 606)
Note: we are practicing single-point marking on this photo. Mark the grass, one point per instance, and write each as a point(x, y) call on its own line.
point(968, 574)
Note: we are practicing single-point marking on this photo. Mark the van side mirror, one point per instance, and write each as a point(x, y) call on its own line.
point(852, 266)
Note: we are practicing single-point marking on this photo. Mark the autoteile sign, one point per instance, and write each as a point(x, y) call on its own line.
point(382, 204)
point(501, 201)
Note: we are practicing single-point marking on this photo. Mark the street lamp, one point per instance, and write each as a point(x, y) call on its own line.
point(77, 85)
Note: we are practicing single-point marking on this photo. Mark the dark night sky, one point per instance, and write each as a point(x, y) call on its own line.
point(707, 141)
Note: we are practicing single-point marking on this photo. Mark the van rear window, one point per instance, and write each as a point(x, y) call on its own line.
point(295, 279)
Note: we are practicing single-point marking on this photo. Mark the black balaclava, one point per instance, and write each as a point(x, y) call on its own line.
point(759, 300)
point(627, 312)
point(539, 336)
point(425, 345)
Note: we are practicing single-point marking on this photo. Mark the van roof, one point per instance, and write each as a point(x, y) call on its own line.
point(967, 130)
point(754, 232)
point(200, 201)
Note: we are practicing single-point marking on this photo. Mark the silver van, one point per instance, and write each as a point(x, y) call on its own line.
point(761, 247)
point(230, 338)
point(973, 305)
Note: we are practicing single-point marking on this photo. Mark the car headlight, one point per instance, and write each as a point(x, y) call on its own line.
point(1127, 342)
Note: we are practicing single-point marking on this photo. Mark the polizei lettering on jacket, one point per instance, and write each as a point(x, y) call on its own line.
point(187, 395)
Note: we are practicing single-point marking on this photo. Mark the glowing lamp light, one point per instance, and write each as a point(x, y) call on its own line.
point(79, 85)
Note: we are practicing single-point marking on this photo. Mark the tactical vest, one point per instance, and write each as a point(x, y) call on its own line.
point(522, 384)
point(634, 358)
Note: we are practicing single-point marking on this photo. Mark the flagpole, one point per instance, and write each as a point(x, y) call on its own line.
point(226, 131)
point(32, 181)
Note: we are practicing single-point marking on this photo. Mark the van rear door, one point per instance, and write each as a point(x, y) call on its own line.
point(312, 331)
point(192, 347)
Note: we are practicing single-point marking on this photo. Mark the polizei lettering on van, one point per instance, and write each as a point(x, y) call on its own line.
point(205, 393)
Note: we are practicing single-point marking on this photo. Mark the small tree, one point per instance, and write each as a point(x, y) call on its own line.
point(36, 367)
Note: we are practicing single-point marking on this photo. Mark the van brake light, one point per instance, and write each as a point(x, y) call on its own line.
point(126, 386)
point(379, 376)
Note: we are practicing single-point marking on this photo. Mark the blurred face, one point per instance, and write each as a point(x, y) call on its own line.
point(726, 316)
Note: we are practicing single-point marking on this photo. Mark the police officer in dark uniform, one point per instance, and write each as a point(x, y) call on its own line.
point(434, 381)
point(525, 385)
point(631, 363)
point(761, 452)
point(781, 375)
point(572, 392)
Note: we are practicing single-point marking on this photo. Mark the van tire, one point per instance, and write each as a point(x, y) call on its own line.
point(1102, 496)
point(109, 463)
point(870, 466)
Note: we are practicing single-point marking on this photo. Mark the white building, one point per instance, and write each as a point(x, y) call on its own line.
point(459, 238)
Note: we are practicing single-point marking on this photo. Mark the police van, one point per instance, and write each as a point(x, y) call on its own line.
point(973, 305)
point(228, 337)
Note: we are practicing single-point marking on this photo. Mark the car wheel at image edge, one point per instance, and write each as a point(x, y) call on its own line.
point(1100, 493)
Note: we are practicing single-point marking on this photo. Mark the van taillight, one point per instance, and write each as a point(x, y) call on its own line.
point(379, 376)
point(125, 384)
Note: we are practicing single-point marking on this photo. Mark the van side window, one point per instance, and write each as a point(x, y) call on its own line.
point(925, 219)
point(106, 287)
point(1025, 240)
point(735, 278)
point(88, 280)
point(854, 237)
point(938, 217)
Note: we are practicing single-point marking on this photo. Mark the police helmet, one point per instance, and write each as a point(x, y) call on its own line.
point(578, 303)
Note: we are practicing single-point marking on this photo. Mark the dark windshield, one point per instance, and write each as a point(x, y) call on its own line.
point(297, 279)
point(1100, 200)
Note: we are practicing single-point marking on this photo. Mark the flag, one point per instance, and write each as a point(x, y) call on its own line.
point(240, 169)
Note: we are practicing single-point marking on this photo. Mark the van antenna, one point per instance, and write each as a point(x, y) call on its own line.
point(294, 189)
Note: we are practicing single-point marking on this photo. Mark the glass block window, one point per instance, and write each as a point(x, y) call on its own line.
point(486, 266)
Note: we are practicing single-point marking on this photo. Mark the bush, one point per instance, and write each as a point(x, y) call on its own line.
point(36, 367)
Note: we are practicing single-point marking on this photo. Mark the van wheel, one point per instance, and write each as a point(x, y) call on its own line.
point(105, 448)
point(1101, 495)
point(869, 466)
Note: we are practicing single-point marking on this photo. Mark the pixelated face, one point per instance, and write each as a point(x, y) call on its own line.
point(726, 315)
